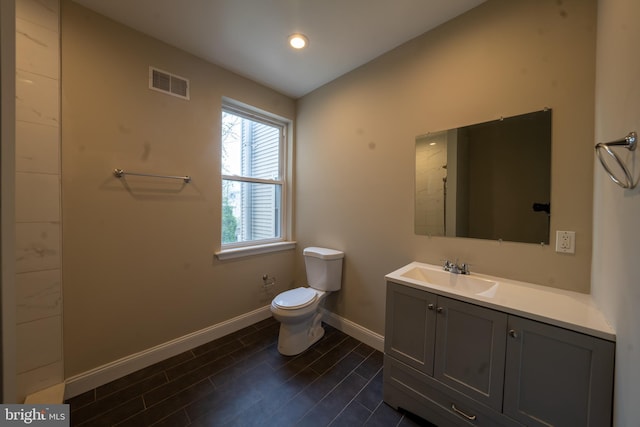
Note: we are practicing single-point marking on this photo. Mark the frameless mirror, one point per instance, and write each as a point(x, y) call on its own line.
point(487, 181)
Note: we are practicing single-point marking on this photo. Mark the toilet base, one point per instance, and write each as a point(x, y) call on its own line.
point(294, 339)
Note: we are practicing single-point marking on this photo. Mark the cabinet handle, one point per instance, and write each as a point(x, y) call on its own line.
point(458, 411)
point(439, 309)
point(513, 333)
point(430, 306)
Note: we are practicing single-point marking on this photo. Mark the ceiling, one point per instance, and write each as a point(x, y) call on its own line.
point(249, 37)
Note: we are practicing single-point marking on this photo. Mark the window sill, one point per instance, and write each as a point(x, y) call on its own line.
point(232, 253)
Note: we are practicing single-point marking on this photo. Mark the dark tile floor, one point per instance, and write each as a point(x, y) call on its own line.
point(242, 380)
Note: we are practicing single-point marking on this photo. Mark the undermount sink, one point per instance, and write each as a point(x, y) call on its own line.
point(461, 282)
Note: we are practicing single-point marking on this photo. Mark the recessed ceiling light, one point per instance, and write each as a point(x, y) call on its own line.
point(298, 41)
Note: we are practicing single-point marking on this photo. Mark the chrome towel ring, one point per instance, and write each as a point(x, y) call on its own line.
point(629, 142)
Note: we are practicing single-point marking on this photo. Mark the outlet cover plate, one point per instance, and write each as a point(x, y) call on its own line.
point(566, 242)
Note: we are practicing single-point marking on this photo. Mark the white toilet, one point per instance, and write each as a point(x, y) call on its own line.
point(297, 310)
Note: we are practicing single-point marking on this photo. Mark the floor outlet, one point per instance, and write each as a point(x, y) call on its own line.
point(566, 242)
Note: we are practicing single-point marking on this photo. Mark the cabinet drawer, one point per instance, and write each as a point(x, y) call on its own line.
point(436, 398)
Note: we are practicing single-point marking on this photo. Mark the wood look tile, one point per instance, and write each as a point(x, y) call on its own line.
point(241, 380)
point(353, 415)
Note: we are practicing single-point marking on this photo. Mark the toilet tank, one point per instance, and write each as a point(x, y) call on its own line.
point(324, 268)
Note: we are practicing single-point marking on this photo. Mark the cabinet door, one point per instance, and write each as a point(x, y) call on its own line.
point(470, 347)
point(557, 377)
point(410, 326)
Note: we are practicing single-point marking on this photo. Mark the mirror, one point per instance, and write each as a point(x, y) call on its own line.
point(486, 181)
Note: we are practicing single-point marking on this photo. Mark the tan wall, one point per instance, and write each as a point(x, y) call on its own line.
point(616, 271)
point(138, 256)
point(356, 135)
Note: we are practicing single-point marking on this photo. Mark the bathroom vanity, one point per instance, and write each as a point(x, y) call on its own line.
point(480, 350)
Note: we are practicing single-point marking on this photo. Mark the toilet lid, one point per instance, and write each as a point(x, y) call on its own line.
point(295, 298)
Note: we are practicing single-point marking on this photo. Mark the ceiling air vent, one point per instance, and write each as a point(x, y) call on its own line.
point(168, 83)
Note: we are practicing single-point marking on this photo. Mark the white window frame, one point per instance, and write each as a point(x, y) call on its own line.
point(253, 247)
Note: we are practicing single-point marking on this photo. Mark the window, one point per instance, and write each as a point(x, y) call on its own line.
point(253, 181)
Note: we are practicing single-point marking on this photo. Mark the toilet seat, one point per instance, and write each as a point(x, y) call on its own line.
point(295, 298)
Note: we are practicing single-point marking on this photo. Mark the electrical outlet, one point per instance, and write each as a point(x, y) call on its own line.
point(566, 242)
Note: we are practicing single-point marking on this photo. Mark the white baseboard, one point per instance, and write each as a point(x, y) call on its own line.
point(101, 375)
point(51, 395)
point(350, 328)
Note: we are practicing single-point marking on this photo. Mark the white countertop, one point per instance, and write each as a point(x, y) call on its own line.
point(567, 309)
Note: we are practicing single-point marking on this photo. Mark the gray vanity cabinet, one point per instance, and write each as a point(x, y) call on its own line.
point(410, 328)
point(557, 377)
point(459, 344)
point(456, 363)
point(469, 351)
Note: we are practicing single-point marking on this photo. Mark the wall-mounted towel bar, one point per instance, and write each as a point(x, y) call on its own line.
point(629, 142)
point(120, 173)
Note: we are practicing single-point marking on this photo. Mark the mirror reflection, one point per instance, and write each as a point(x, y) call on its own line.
point(489, 180)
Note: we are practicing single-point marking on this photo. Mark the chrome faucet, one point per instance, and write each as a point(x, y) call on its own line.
point(455, 268)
